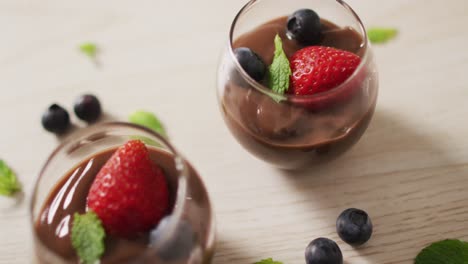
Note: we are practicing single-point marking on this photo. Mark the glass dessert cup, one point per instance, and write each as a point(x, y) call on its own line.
point(188, 232)
point(287, 130)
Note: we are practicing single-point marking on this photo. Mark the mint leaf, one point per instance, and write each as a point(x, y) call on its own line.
point(9, 184)
point(89, 49)
point(444, 252)
point(149, 120)
point(268, 261)
point(279, 70)
point(381, 35)
point(87, 237)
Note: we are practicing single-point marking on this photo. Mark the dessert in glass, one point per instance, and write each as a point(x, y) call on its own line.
point(153, 205)
point(312, 110)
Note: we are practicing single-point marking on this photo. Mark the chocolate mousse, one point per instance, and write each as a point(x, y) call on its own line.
point(69, 196)
point(298, 131)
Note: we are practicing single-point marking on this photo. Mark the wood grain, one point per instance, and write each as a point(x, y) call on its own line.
point(409, 171)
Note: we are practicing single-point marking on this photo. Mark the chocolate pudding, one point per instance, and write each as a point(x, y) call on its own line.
point(53, 226)
point(299, 131)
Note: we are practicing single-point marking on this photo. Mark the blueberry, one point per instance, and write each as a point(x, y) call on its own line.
point(87, 108)
point(323, 251)
point(354, 226)
point(179, 245)
point(56, 119)
point(251, 63)
point(304, 26)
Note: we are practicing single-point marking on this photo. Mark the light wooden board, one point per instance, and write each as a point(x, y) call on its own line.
point(409, 171)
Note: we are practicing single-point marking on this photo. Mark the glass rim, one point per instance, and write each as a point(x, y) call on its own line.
point(181, 166)
point(265, 90)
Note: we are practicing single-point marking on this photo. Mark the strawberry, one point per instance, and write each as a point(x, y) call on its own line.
point(130, 193)
point(317, 69)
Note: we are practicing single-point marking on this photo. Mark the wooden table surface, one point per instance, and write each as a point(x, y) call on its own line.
point(409, 171)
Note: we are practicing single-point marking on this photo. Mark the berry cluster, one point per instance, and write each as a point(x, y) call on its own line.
point(57, 120)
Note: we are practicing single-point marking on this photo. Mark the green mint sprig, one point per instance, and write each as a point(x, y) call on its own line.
point(89, 49)
point(87, 237)
point(9, 184)
point(378, 35)
point(279, 70)
point(444, 252)
point(268, 261)
point(149, 120)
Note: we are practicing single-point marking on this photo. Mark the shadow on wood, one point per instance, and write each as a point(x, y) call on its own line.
point(399, 175)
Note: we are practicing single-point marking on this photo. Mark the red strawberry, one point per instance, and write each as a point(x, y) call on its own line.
point(129, 194)
point(317, 69)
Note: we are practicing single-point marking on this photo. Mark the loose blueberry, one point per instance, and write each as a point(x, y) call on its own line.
point(55, 119)
point(323, 251)
point(179, 245)
point(304, 26)
point(87, 108)
point(251, 63)
point(354, 226)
